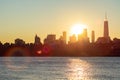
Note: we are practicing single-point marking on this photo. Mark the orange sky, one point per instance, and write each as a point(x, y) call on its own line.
point(25, 18)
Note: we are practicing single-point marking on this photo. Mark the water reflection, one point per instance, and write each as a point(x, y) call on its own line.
point(77, 69)
point(19, 63)
point(16, 64)
point(59, 68)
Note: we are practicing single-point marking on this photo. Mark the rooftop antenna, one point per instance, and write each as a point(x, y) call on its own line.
point(105, 15)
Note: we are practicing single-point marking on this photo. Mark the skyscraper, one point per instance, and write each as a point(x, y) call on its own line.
point(37, 40)
point(105, 38)
point(51, 38)
point(106, 29)
point(83, 38)
point(93, 36)
point(72, 39)
point(64, 37)
point(85, 33)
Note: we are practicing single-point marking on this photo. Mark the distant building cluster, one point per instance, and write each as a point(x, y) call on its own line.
point(79, 45)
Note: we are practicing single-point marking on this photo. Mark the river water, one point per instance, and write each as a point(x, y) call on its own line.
point(59, 68)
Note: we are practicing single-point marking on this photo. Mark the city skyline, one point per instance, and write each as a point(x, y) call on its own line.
point(24, 19)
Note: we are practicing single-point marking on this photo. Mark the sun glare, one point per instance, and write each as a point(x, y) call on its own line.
point(77, 29)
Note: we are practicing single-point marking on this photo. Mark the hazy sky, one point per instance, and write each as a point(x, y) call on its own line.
point(25, 18)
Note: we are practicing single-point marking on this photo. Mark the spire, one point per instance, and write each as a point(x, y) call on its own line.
point(105, 16)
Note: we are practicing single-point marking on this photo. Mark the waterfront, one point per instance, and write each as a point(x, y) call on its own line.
point(60, 68)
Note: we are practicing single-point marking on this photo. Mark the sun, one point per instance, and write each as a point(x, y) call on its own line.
point(77, 29)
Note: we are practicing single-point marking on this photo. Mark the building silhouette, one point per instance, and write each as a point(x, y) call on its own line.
point(80, 37)
point(85, 33)
point(106, 37)
point(72, 39)
point(37, 40)
point(19, 41)
point(93, 37)
point(51, 38)
point(83, 38)
point(106, 30)
point(64, 37)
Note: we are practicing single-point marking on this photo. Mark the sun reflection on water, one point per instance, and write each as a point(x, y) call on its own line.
point(77, 69)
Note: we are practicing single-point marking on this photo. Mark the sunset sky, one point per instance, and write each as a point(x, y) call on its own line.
point(25, 18)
